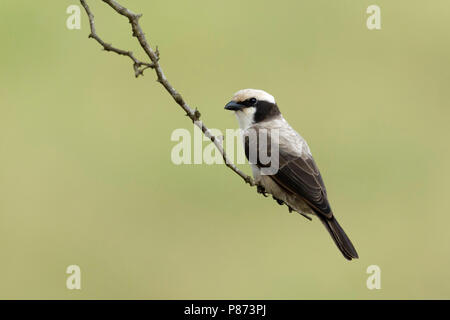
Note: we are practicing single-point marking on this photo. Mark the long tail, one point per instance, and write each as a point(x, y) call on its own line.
point(340, 238)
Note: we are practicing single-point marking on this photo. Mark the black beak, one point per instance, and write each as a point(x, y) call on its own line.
point(234, 106)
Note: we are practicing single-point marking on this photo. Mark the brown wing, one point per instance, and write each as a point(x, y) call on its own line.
point(301, 176)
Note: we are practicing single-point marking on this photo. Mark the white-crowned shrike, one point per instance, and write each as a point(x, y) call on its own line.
point(296, 181)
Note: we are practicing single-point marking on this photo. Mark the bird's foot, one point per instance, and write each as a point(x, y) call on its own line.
point(280, 202)
point(260, 189)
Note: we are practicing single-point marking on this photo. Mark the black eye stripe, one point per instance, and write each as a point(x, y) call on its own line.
point(249, 102)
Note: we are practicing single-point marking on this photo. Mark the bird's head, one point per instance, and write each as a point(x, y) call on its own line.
point(253, 106)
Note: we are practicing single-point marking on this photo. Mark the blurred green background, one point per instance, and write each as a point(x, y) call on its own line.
point(86, 176)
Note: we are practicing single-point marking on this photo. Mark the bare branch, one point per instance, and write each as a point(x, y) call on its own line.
point(139, 67)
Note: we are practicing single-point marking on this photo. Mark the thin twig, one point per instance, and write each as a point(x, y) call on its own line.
point(139, 67)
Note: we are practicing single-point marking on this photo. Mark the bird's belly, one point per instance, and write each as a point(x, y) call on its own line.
point(274, 189)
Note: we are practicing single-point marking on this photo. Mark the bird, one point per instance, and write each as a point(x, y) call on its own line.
point(296, 180)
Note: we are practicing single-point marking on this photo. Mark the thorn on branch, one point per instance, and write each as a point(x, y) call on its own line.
point(197, 115)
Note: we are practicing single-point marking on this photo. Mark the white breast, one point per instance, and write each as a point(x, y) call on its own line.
point(245, 117)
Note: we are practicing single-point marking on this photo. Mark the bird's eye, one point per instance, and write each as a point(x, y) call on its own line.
point(252, 100)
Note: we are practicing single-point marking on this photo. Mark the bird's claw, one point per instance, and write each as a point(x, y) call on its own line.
point(280, 202)
point(260, 189)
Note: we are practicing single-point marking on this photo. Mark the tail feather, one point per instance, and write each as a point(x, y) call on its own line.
point(340, 238)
